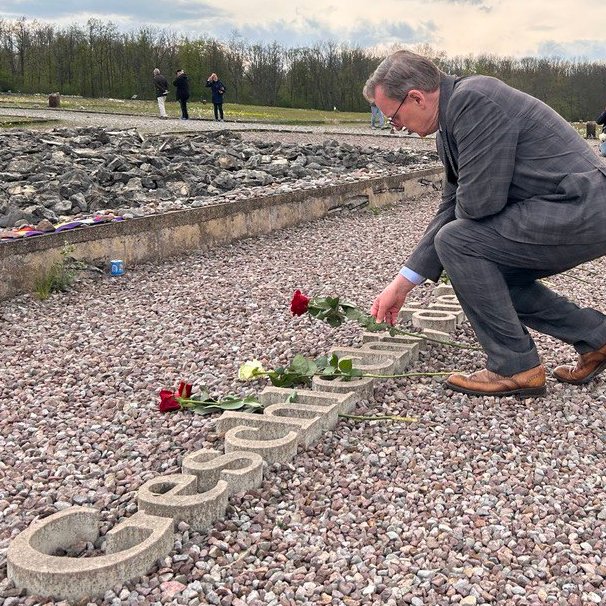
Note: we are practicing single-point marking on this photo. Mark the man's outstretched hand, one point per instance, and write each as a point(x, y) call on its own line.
point(387, 305)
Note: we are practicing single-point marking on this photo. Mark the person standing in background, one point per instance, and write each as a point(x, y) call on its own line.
point(218, 90)
point(182, 85)
point(161, 84)
point(601, 120)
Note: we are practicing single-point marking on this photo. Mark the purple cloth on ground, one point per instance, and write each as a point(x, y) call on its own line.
point(34, 232)
point(71, 225)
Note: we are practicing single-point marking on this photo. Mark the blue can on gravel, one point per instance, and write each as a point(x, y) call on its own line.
point(116, 267)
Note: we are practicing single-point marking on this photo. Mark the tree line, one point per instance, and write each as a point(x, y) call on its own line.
point(99, 60)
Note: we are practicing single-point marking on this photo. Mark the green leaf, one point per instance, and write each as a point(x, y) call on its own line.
point(272, 375)
point(317, 306)
point(251, 400)
point(293, 397)
point(303, 366)
point(202, 396)
point(233, 405)
point(206, 410)
point(254, 409)
point(346, 365)
point(290, 379)
point(321, 362)
point(352, 313)
point(332, 302)
point(334, 322)
point(279, 380)
point(320, 303)
point(229, 402)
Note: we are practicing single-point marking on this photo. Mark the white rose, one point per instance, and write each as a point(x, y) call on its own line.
point(250, 370)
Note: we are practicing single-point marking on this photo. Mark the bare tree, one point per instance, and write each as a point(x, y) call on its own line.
point(100, 60)
point(264, 71)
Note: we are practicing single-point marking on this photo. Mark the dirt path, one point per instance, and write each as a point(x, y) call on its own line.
point(356, 135)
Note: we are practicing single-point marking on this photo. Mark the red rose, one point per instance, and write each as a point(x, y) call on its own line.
point(299, 303)
point(168, 401)
point(184, 390)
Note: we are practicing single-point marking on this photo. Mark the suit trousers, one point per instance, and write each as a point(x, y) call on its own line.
point(497, 282)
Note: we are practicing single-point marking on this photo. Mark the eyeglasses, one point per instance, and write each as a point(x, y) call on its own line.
point(391, 119)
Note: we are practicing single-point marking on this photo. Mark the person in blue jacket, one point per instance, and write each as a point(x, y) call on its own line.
point(218, 90)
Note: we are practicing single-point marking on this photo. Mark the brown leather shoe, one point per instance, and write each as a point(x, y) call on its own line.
point(487, 383)
point(588, 366)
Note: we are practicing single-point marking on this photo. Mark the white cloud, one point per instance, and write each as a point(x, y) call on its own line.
point(501, 27)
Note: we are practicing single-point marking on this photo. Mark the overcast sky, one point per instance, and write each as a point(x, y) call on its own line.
point(565, 28)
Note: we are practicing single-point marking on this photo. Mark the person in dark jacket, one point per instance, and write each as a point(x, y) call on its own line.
point(182, 85)
point(218, 90)
point(161, 85)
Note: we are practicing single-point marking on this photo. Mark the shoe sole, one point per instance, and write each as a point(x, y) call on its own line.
point(590, 377)
point(526, 392)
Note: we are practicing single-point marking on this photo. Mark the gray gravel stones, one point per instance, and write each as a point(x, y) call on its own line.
point(69, 173)
point(484, 500)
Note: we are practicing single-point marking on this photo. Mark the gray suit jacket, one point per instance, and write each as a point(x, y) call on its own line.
point(512, 161)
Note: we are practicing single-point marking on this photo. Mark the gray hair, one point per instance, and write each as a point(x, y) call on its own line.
point(156, 71)
point(402, 71)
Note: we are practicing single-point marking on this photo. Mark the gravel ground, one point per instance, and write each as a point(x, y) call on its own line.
point(56, 193)
point(158, 125)
point(483, 500)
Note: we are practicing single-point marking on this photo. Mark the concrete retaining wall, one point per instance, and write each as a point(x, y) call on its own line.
point(159, 237)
